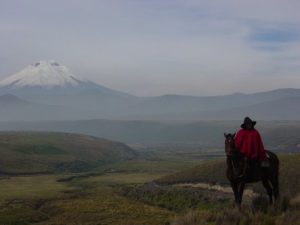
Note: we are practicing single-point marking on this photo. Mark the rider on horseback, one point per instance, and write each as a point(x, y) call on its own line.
point(249, 142)
point(245, 157)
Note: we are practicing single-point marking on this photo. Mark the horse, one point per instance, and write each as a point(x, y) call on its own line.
point(241, 170)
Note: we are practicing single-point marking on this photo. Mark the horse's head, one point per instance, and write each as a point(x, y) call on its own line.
point(235, 160)
point(229, 143)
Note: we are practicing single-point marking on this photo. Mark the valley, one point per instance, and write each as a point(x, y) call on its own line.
point(155, 185)
point(279, 135)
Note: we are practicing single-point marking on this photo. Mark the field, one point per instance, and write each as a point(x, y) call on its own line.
point(112, 197)
point(145, 189)
point(83, 200)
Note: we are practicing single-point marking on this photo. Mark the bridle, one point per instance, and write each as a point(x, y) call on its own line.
point(229, 144)
point(230, 150)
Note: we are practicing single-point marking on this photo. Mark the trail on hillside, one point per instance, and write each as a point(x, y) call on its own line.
point(215, 187)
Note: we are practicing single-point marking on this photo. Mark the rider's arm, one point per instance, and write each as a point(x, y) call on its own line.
point(260, 148)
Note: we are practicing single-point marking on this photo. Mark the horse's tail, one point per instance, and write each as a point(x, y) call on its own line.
point(273, 159)
point(274, 169)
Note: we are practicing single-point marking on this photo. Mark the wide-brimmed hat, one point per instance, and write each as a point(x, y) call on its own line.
point(247, 120)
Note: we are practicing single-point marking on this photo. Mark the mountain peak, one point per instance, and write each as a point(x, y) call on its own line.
point(42, 74)
point(45, 63)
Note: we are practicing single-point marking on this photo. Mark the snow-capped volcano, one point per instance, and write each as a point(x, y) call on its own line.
point(48, 82)
point(45, 74)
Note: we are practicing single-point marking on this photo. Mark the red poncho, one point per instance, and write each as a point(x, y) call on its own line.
point(250, 144)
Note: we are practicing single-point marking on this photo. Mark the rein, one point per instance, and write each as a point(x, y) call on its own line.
point(240, 175)
point(232, 150)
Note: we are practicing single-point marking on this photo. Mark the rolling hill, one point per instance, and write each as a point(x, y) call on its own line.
point(30, 152)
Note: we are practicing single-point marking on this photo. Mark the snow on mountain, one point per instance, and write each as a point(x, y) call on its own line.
point(45, 74)
point(48, 82)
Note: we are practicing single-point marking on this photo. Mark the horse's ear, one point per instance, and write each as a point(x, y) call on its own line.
point(225, 135)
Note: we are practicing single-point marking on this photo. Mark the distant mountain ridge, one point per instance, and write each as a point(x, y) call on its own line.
point(52, 90)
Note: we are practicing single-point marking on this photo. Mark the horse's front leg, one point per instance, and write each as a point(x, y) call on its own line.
point(241, 187)
point(234, 187)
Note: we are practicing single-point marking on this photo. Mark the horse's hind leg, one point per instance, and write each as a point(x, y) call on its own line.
point(269, 189)
point(275, 186)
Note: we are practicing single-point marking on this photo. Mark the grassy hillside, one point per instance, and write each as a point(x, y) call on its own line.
point(254, 212)
point(199, 205)
point(210, 172)
point(214, 172)
point(29, 152)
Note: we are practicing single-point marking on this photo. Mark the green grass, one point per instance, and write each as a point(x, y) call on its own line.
point(28, 199)
point(104, 206)
point(39, 186)
point(31, 187)
point(231, 216)
point(210, 172)
point(40, 150)
point(289, 174)
point(177, 199)
point(143, 165)
point(20, 197)
point(123, 178)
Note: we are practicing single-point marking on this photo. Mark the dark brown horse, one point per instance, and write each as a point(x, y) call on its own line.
point(240, 171)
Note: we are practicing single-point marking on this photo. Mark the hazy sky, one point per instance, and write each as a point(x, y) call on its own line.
point(154, 47)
